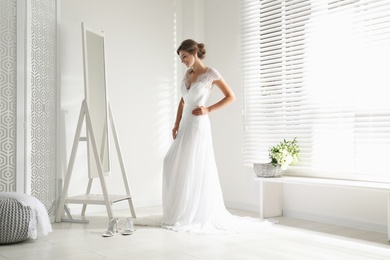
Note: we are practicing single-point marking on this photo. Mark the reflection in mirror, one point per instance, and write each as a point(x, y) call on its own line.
point(96, 98)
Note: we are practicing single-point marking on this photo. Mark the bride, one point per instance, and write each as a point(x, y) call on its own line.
point(192, 196)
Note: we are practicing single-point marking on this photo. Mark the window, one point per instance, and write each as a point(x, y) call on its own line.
point(318, 70)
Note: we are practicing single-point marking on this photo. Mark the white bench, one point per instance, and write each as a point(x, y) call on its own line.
point(273, 206)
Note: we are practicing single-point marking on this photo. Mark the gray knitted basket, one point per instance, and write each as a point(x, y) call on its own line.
point(267, 170)
point(14, 221)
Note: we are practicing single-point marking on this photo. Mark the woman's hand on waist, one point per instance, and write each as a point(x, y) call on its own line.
point(200, 110)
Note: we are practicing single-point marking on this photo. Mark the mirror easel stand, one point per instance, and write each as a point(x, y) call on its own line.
point(96, 199)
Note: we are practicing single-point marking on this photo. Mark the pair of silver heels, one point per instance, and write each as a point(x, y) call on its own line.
point(113, 224)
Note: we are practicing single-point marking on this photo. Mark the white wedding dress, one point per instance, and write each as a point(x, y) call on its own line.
point(192, 196)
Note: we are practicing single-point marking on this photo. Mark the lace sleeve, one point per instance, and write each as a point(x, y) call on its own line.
point(215, 74)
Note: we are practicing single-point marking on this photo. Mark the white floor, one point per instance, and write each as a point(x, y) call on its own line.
point(289, 239)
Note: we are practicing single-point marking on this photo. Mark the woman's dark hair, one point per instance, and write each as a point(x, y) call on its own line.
point(192, 46)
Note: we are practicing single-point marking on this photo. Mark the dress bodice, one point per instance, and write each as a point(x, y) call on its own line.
point(198, 92)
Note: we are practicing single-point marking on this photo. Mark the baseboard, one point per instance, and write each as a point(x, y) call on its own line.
point(336, 221)
point(242, 206)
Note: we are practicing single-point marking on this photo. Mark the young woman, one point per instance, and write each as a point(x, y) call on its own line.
point(192, 196)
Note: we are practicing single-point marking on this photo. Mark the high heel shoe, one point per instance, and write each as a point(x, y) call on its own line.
point(129, 227)
point(111, 225)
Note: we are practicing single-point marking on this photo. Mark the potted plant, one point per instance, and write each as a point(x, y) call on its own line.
point(283, 155)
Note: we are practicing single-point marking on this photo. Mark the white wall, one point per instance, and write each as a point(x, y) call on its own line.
point(141, 39)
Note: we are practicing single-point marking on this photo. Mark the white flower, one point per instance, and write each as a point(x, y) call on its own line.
point(283, 166)
point(287, 159)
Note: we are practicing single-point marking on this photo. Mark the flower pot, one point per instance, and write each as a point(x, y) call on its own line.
point(267, 170)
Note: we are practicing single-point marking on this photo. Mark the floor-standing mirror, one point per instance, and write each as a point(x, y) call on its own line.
point(96, 97)
point(96, 112)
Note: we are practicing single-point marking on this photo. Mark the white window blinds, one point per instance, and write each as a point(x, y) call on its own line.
point(318, 70)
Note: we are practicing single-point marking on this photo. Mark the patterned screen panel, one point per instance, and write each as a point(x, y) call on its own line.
point(43, 102)
point(7, 95)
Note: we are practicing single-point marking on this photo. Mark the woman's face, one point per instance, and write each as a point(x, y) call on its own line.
point(187, 58)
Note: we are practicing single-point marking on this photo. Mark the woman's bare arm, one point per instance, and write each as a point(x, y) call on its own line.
point(178, 118)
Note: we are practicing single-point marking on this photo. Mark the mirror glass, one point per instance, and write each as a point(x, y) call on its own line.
point(96, 98)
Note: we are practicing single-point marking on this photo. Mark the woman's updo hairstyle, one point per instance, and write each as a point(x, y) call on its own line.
point(192, 47)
